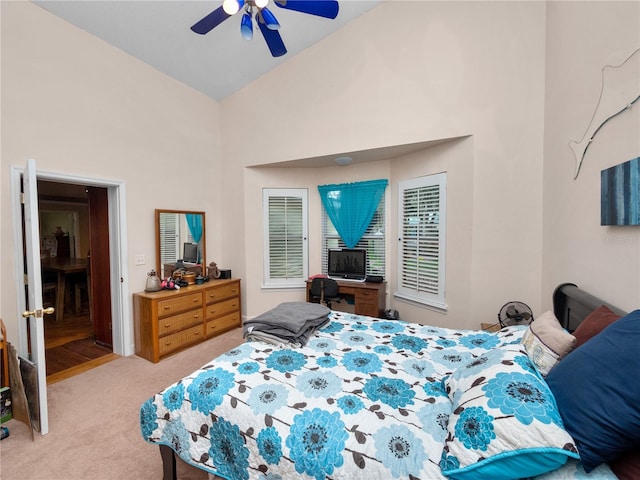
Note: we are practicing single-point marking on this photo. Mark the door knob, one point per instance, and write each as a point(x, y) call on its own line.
point(38, 313)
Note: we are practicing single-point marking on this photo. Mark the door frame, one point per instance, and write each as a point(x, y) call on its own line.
point(122, 323)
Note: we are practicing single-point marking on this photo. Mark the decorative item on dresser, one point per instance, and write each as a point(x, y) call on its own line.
point(170, 320)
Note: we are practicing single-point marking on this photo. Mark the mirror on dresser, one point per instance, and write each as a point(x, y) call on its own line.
point(180, 235)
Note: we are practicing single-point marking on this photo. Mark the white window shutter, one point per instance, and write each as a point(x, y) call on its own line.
point(422, 229)
point(169, 232)
point(285, 226)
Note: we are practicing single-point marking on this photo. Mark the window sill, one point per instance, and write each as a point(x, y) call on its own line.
point(421, 302)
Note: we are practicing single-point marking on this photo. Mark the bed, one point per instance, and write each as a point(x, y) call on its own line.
point(369, 398)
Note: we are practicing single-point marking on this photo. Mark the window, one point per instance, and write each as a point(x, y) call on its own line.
point(373, 241)
point(422, 227)
point(285, 227)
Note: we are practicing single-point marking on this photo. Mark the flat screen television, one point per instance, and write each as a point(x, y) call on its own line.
point(190, 254)
point(347, 264)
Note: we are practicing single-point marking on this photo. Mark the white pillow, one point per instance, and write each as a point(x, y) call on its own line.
point(546, 342)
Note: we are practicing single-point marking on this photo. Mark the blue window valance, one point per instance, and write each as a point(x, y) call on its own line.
point(351, 206)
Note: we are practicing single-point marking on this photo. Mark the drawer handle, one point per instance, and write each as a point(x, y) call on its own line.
point(167, 325)
point(167, 343)
point(197, 315)
point(195, 300)
point(196, 333)
point(167, 307)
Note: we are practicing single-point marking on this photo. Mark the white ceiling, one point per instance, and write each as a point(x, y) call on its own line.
point(218, 63)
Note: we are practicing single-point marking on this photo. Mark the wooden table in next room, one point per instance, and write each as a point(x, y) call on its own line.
point(62, 267)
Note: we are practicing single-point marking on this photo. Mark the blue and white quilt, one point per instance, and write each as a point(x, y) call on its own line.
point(365, 399)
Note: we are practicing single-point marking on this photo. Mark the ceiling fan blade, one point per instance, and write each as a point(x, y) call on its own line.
point(211, 21)
point(321, 8)
point(272, 37)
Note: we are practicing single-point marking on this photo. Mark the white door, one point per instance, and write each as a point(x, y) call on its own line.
point(35, 313)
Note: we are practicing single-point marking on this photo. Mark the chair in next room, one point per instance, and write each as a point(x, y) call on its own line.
point(325, 290)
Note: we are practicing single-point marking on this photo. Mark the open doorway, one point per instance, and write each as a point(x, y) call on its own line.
point(74, 220)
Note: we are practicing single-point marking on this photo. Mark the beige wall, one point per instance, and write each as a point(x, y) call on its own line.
point(583, 37)
point(448, 69)
point(81, 107)
point(474, 70)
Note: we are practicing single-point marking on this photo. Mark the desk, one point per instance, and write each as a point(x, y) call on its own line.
point(369, 298)
point(63, 266)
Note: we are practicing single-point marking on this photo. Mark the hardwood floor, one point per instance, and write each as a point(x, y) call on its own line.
point(68, 329)
point(66, 354)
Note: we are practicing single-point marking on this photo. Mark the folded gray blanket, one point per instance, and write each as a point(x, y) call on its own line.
point(289, 322)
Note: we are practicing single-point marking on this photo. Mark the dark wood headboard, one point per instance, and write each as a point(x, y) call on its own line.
point(572, 305)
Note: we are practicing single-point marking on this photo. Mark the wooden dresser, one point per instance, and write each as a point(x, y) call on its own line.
point(170, 320)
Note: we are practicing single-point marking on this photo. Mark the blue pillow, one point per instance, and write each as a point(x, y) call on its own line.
point(597, 389)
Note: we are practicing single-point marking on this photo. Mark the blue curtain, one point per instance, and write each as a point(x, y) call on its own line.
point(351, 207)
point(194, 222)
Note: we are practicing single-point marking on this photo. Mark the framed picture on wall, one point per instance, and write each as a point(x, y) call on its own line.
point(620, 194)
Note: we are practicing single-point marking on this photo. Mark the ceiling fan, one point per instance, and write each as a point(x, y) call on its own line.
point(267, 23)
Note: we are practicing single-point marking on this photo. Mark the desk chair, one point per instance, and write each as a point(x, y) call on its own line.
point(325, 290)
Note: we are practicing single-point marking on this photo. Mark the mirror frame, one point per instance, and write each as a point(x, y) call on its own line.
point(203, 240)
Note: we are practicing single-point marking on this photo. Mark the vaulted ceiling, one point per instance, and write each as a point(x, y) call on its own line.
point(218, 63)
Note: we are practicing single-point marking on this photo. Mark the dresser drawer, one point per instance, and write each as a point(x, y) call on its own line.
point(180, 339)
point(179, 322)
point(222, 308)
point(220, 293)
point(223, 323)
point(172, 306)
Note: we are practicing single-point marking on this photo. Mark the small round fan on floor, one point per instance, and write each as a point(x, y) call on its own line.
point(515, 313)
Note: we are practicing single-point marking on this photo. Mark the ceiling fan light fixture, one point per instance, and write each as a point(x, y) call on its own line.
point(246, 26)
point(265, 20)
point(269, 19)
point(231, 7)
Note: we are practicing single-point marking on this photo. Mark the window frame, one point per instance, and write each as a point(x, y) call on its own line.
point(338, 243)
point(435, 297)
point(285, 282)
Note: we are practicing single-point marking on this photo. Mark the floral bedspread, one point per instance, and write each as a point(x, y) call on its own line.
point(364, 399)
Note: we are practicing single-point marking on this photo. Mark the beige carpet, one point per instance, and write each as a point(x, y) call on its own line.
point(94, 429)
